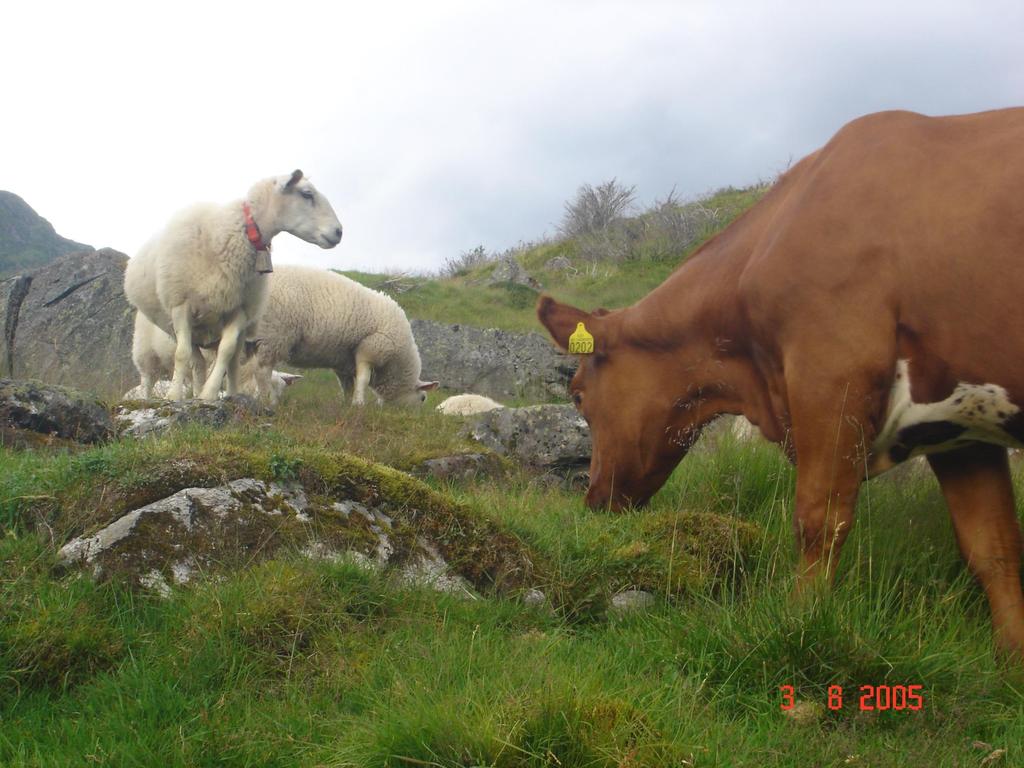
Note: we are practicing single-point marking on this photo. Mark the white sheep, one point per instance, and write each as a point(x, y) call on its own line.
point(468, 405)
point(153, 355)
point(320, 319)
point(203, 279)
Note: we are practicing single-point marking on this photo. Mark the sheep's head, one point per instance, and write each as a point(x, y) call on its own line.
point(418, 395)
point(296, 206)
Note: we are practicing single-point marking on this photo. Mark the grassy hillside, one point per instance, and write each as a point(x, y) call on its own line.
point(300, 663)
point(466, 297)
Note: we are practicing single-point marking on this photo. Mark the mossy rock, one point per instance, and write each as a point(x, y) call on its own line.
point(225, 512)
point(52, 410)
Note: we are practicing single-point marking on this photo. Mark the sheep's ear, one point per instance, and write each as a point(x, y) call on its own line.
point(290, 378)
point(426, 386)
point(295, 179)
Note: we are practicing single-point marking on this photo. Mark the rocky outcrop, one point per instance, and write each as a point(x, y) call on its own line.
point(371, 515)
point(463, 466)
point(53, 410)
point(204, 530)
point(27, 240)
point(74, 326)
point(141, 418)
point(548, 437)
point(499, 364)
point(509, 271)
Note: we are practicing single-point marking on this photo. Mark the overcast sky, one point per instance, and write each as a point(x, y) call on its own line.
point(437, 126)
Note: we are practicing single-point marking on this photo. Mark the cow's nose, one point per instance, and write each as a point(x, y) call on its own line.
point(337, 233)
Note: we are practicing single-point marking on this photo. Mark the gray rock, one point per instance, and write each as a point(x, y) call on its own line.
point(508, 270)
point(535, 598)
point(558, 264)
point(12, 293)
point(54, 410)
point(630, 601)
point(74, 326)
point(199, 531)
point(542, 436)
point(499, 364)
point(463, 466)
point(146, 417)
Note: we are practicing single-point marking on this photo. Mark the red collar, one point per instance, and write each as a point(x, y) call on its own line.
point(252, 231)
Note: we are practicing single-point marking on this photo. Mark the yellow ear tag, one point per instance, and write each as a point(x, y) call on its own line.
point(581, 342)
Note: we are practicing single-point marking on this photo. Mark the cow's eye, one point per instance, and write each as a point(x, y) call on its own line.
point(577, 398)
point(307, 194)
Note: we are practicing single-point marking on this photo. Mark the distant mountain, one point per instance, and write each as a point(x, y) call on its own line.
point(27, 240)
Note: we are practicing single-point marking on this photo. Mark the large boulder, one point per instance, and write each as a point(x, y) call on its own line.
point(177, 530)
point(547, 437)
point(13, 291)
point(74, 325)
point(53, 410)
point(499, 364)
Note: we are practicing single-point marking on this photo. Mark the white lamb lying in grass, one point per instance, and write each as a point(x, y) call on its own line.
point(203, 278)
point(319, 319)
point(468, 405)
point(153, 355)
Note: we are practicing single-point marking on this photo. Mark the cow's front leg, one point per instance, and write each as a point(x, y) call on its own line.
point(823, 517)
point(832, 431)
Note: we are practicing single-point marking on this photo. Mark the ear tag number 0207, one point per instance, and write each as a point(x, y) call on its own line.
point(581, 342)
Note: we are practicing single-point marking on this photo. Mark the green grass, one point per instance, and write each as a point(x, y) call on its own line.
point(294, 662)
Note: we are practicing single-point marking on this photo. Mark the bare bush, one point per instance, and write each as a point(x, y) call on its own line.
point(596, 209)
point(465, 262)
point(671, 227)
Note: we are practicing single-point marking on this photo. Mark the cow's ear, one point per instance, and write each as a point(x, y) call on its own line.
point(561, 320)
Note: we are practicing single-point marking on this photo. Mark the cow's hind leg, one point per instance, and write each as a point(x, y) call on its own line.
point(976, 483)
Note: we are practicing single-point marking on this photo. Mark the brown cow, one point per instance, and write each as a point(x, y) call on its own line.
point(868, 309)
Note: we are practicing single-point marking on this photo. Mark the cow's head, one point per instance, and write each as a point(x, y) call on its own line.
point(643, 409)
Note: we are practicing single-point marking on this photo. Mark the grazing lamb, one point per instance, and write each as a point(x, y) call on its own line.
point(153, 355)
point(319, 319)
point(468, 405)
point(203, 279)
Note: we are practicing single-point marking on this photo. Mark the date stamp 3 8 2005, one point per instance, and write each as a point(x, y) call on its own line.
point(870, 698)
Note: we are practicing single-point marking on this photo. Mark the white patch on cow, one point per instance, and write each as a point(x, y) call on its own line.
point(981, 409)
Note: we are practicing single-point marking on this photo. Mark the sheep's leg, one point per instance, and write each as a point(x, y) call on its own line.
point(147, 385)
point(182, 324)
point(264, 390)
point(227, 352)
point(363, 371)
point(234, 365)
point(198, 370)
point(344, 381)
